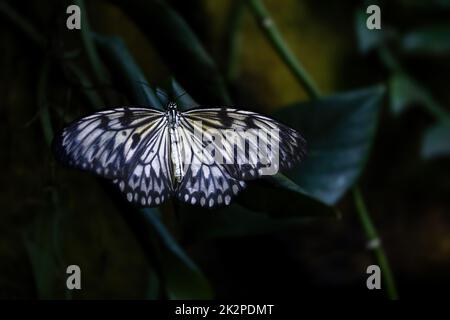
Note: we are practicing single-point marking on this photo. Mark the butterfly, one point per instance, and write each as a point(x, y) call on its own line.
point(202, 156)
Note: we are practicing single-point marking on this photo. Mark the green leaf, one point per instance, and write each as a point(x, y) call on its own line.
point(434, 6)
point(434, 40)
point(404, 92)
point(339, 131)
point(177, 44)
point(183, 279)
point(436, 141)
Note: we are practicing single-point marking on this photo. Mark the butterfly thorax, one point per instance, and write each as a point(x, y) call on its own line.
point(172, 115)
point(173, 119)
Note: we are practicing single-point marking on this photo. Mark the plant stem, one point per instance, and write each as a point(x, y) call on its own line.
point(234, 39)
point(302, 76)
point(270, 30)
point(374, 244)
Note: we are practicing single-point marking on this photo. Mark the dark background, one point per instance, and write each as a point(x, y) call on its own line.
point(273, 242)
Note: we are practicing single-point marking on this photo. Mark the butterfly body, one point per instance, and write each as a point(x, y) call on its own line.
point(153, 155)
point(176, 154)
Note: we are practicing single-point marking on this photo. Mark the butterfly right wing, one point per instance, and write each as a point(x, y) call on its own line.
point(265, 145)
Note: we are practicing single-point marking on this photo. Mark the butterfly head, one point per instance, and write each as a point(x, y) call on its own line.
point(172, 106)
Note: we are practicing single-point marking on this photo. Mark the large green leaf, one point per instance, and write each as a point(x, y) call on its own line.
point(339, 131)
point(436, 141)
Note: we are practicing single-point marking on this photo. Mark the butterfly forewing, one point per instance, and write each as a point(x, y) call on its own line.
point(254, 143)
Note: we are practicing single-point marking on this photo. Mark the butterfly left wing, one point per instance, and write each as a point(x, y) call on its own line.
point(127, 145)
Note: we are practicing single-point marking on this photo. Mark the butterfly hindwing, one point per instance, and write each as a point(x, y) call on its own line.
point(205, 182)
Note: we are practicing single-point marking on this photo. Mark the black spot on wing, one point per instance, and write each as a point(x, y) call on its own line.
point(136, 137)
point(250, 122)
point(126, 118)
point(225, 118)
point(104, 120)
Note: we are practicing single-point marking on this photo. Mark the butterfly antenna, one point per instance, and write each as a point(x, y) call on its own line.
point(158, 90)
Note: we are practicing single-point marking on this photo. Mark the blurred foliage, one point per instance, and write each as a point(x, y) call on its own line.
point(340, 128)
point(293, 231)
